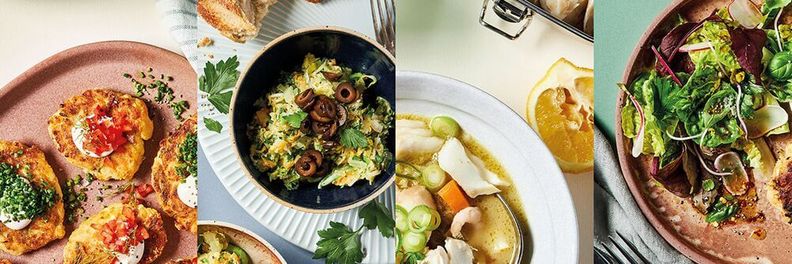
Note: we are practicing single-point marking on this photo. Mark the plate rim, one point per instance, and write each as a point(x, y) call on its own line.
point(626, 161)
point(559, 178)
point(335, 29)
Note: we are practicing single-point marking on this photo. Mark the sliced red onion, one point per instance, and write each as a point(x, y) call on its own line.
point(638, 142)
point(746, 13)
point(739, 115)
point(694, 47)
point(665, 66)
point(704, 164)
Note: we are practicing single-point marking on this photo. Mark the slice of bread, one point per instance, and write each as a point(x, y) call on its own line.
point(238, 20)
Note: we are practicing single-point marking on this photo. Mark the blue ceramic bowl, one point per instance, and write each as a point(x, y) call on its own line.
point(286, 53)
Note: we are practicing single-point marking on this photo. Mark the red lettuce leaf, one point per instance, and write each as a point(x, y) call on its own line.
point(747, 46)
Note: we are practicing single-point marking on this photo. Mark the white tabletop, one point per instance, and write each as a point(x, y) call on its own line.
point(34, 30)
point(445, 37)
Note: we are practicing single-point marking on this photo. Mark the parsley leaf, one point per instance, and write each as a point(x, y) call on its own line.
point(213, 125)
point(376, 215)
point(220, 77)
point(339, 244)
point(353, 138)
point(295, 120)
point(218, 81)
point(221, 101)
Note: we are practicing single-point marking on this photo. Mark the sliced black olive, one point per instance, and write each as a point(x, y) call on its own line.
point(319, 128)
point(330, 132)
point(346, 93)
point(323, 170)
point(341, 115)
point(318, 118)
point(305, 126)
point(315, 155)
point(325, 107)
point(305, 167)
point(305, 99)
point(328, 144)
point(331, 76)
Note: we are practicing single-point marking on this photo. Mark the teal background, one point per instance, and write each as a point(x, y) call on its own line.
point(619, 25)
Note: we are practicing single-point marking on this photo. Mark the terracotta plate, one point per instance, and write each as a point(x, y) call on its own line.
point(675, 218)
point(27, 102)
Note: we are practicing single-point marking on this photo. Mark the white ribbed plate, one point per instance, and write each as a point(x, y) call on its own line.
point(543, 191)
point(297, 227)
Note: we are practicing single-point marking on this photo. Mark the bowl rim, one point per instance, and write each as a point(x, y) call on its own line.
point(626, 160)
point(246, 231)
point(231, 112)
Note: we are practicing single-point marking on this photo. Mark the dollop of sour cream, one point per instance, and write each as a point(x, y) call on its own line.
point(19, 224)
point(78, 136)
point(188, 191)
point(134, 255)
point(15, 225)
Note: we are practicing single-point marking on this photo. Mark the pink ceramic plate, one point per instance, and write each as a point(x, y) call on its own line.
point(27, 102)
point(675, 218)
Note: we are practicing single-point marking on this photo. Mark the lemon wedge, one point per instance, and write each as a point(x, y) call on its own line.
point(561, 109)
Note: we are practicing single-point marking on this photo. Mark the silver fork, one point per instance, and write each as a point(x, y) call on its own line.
point(626, 251)
point(383, 14)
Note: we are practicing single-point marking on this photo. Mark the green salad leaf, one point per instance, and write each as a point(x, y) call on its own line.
point(721, 211)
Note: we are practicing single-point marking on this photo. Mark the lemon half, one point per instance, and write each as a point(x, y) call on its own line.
point(561, 109)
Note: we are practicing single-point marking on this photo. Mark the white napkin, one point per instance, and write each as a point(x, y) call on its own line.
point(616, 211)
point(180, 18)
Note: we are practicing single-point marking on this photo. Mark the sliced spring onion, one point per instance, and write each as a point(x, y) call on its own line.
point(444, 127)
point(413, 242)
point(406, 170)
point(671, 136)
point(434, 177)
point(401, 219)
point(422, 218)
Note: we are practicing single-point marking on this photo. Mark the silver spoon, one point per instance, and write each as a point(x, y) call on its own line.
point(517, 254)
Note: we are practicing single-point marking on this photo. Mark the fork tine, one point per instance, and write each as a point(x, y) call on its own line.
point(612, 254)
point(635, 249)
point(623, 251)
point(603, 255)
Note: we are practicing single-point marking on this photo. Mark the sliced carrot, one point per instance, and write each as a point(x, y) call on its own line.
point(453, 196)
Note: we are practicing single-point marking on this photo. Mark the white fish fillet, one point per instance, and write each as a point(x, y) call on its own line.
point(413, 138)
point(487, 174)
point(458, 251)
point(436, 256)
point(455, 161)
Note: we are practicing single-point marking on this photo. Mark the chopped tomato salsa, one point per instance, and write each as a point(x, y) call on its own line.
point(123, 232)
point(144, 190)
point(105, 132)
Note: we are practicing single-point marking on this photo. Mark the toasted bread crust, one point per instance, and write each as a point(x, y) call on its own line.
point(124, 161)
point(165, 180)
point(85, 245)
point(228, 17)
point(45, 228)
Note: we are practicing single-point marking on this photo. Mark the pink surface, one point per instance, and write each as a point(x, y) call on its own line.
point(27, 102)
